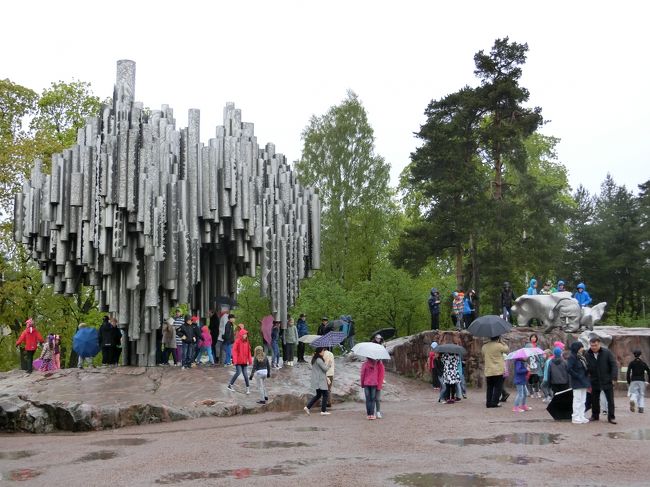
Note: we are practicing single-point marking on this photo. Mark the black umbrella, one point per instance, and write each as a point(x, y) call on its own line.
point(561, 406)
point(489, 326)
point(450, 348)
point(386, 333)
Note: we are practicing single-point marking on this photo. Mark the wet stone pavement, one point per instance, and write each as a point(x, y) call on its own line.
point(419, 442)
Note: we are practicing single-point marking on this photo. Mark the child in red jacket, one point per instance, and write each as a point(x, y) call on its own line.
point(372, 379)
point(241, 358)
point(31, 338)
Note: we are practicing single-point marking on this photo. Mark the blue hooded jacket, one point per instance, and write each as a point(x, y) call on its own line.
point(532, 290)
point(582, 297)
point(577, 370)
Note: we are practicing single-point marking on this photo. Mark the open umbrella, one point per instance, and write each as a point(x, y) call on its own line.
point(489, 326)
point(524, 353)
point(308, 338)
point(386, 333)
point(335, 325)
point(450, 348)
point(267, 326)
point(371, 350)
point(86, 342)
point(561, 406)
point(330, 339)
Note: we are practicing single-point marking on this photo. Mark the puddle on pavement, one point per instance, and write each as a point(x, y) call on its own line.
point(310, 428)
point(120, 442)
point(22, 474)
point(449, 479)
point(238, 473)
point(97, 455)
point(273, 444)
point(15, 455)
point(514, 438)
point(516, 459)
point(631, 435)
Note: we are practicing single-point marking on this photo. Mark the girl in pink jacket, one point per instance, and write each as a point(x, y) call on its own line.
point(205, 345)
point(372, 379)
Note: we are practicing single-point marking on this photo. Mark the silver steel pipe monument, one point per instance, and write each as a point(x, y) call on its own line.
point(151, 217)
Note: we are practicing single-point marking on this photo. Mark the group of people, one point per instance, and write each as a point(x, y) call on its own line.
point(110, 342)
point(30, 338)
point(587, 372)
point(463, 308)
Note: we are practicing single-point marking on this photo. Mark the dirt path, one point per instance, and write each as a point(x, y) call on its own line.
point(483, 447)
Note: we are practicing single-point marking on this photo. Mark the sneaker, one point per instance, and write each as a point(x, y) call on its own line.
point(231, 388)
point(526, 408)
point(369, 417)
point(379, 415)
point(517, 409)
point(248, 390)
point(306, 410)
point(632, 406)
point(261, 402)
point(266, 398)
point(327, 413)
point(640, 410)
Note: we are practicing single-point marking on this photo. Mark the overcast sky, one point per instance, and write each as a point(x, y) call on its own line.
point(283, 61)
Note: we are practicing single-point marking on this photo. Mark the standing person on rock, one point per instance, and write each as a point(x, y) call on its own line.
point(117, 341)
point(582, 296)
point(457, 307)
point(205, 345)
point(636, 374)
point(31, 338)
point(324, 325)
point(470, 303)
point(291, 339)
point(168, 341)
point(228, 338)
point(507, 298)
point(106, 341)
point(372, 378)
point(434, 308)
point(579, 381)
point(318, 382)
point(178, 322)
point(186, 333)
point(275, 347)
point(603, 373)
point(493, 368)
point(303, 329)
point(532, 288)
point(241, 357)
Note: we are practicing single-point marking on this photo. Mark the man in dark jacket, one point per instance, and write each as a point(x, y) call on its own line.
point(434, 308)
point(106, 341)
point(507, 298)
point(186, 334)
point(603, 373)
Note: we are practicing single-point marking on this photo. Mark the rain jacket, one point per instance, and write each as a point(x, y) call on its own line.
point(372, 373)
point(106, 335)
point(531, 289)
point(493, 361)
point(206, 337)
point(434, 302)
point(602, 370)
point(168, 335)
point(521, 371)
point(558, 373)
point(582, 297)
point(507, 297)
point(302, 327)
point(241, 350)
point(577, 369)
point(31, 337)
point(318, 374)
point(291, 334)
point(636, 370)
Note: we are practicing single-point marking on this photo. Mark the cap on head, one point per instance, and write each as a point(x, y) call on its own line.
point(324, 318)
point(637, 353)
point(557, 351)
point(434, 345)
point(195, 319)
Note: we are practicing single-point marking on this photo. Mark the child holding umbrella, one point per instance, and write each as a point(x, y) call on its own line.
point(372, 379)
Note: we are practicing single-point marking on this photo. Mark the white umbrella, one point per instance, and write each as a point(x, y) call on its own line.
point(371, 350)
point(308, 338)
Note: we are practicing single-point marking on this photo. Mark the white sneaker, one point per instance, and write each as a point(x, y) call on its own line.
point(325, 413)
point(306, 409)
point(231, 388)
point(378, 415)
point(248, 390)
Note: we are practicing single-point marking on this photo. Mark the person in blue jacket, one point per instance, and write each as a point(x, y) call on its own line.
point(582, 296)
point(532, 289)
point(469, 308)
point(303, 329)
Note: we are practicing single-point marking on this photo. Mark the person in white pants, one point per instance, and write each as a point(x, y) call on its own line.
point(577, 368)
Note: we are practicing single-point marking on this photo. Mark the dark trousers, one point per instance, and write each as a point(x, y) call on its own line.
point(595, 402)
point(301, 352)
point(29, 360)
point(493, 386)
point(166, 354)
point(107, 354)
point(435, 321)
point(371, 398)
point(320, 393)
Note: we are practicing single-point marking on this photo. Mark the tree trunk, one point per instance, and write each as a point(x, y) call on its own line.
point(459, 266)
point(475, 272)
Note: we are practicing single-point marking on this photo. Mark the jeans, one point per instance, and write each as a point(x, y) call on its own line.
point(506, 314)
point(320, 393)
point(579, 396)
point(240, 369)
point(276, 353)
point(260, 380)
point(81, 360)
point(494, 384)
point(443, 389)
point(203, 350)
point(188, 354)
point(520, 399)
point(637, 392)
point(371, 397)
point(595, 402)
point(461, 387)
point(378, 401)
point(227, 347)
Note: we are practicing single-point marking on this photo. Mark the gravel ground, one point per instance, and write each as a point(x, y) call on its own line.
point(418, 443)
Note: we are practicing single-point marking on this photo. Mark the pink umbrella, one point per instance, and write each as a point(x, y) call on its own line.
point(267, 325)
point(524, 353)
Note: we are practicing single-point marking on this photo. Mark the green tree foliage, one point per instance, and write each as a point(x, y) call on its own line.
point(339, 160)
point(251, 307)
